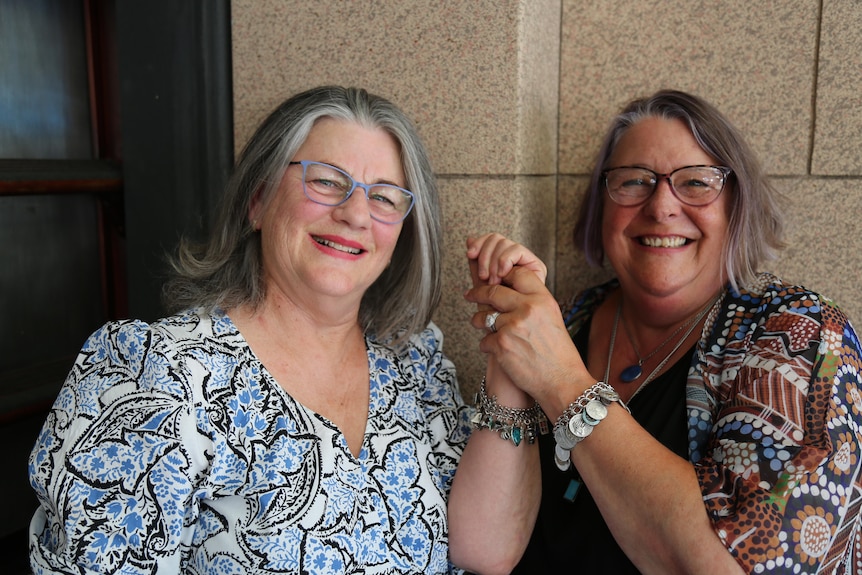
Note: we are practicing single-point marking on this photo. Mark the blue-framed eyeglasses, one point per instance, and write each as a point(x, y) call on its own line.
point(693, 185)
point(331, 186)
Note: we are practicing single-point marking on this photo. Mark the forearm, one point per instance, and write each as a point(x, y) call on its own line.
point(495, 493)
point(650, 499)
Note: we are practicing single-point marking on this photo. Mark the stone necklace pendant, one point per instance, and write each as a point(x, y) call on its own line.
point(632, 372)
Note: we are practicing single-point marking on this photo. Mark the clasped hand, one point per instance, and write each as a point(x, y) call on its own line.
point(531, 343)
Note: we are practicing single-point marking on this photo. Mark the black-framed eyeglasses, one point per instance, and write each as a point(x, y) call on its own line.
point(692, 185)
point(330, 186)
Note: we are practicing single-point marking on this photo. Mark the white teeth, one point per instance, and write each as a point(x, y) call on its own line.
point(338, 247)
point(664, 242)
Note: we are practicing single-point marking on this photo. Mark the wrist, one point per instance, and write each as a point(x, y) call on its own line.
point(498, 384)
point(561, 394)
point(578, 420)
point(514, 424)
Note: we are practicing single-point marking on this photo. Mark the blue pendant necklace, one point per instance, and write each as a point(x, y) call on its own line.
point(634, 371)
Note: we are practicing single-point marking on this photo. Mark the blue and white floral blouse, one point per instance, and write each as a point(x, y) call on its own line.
point(170, 448)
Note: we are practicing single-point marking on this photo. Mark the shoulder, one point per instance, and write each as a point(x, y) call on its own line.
point(580, 307)
point(128, 356)
point(430, 338)
point(132, 340)
point(773, 314)
point(420, 358)
point(771, 297)
point(427, 342)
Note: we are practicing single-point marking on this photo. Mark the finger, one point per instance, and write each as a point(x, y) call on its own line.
point(518, 284)
point(475, 245)
point(474, 250)
point(500, 255)
point(483, 320)
point(477, 281)
point(497, 297)
point(524, 281)
point(482, 250)
point(491, 321)
point(513, 255)
point(496, 255)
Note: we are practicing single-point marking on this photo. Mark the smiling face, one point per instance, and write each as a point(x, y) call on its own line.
point(312, 252)
point(663, 247)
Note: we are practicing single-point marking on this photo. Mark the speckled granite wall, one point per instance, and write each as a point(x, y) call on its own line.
point(512, 97)
point(796, 96)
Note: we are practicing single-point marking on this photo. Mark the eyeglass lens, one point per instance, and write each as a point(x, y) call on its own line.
point(694, 185)
point(330, 186)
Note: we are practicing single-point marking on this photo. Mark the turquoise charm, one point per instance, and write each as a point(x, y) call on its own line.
point(516, 436)
point(572, 490)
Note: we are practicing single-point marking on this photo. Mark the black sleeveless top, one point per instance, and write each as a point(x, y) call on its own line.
point(570, 534)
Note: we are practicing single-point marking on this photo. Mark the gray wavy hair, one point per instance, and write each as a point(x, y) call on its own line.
point(226, 271)
point(756, 231)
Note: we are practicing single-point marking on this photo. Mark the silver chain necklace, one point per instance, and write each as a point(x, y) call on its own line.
point(691, 325)
point(634, 371)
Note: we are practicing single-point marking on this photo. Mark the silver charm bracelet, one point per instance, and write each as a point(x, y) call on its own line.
point(512, 423)
point(580, 417)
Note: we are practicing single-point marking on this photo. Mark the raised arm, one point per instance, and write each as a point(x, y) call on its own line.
point(497, 487)
point(649, 496)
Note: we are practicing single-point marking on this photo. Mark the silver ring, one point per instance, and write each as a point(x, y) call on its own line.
point(491, 321)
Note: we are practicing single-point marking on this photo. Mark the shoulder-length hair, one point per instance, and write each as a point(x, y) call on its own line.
point(756, 229)
point(225, 272)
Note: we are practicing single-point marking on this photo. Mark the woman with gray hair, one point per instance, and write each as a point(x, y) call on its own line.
point(702, 417)
point(296, 414)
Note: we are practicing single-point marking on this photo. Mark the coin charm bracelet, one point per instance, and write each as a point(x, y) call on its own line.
point(574, 424)
point(580, 417)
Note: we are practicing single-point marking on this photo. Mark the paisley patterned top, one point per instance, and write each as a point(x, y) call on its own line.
point(170, 448)
point(774, 399)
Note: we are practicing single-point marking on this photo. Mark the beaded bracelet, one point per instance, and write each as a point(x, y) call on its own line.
point(512, 423)
point(580, 417)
